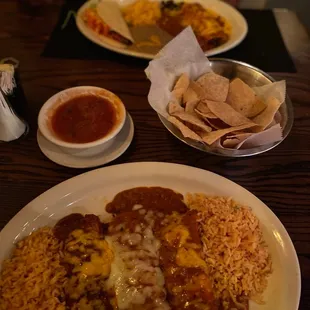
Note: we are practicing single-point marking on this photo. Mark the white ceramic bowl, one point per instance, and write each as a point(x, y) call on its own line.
point(80, 149)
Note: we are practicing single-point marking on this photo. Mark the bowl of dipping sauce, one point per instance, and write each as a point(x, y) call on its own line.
point(82, 120)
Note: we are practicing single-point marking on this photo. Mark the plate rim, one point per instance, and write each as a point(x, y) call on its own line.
point(96, 39)
point(66, 188)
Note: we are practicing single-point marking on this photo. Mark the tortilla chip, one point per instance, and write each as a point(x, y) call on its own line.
point(193, 92)
point(174, 107)
point(203, 107)
point(203, 110)
point(215, 86)
point(231, 143)
point(180, 87)
point(275, 89)
point(190, 106)
point(176, 96)
point(216, 123)
point(211, 137)
point(189, 95)
point(193, 119)
point(240, 135)
point(264, 119)
point(186, 132)
point(258, 107)
point(198, 90)
point(241, 97)
point(182, 82)
point(208, 115)
point(226, 113)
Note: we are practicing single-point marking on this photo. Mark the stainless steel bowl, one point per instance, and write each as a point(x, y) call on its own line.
point(253, 77)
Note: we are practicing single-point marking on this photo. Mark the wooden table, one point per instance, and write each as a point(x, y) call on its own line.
point(280, 177)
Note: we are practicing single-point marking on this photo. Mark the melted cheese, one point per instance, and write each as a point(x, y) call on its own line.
point(97, 250)
point(90, 257)
point(177, 235)
point(135, 277)
point(98, 265)
point(187, 257)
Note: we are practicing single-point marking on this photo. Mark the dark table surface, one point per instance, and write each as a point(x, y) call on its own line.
point(280, 177)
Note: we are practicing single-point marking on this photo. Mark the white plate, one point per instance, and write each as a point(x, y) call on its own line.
point(117, 147)
point(237, 21)
point(89, 192)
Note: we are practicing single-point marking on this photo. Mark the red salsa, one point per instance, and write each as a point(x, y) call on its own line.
point(84, 119)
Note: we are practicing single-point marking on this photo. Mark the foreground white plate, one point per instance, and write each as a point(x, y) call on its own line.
point(237, 21)
point(89, 192)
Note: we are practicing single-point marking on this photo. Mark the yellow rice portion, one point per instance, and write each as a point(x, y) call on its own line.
point(33, 278)
point(142, 12)
point(233, 247)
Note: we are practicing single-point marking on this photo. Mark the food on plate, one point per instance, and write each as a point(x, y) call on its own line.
point(234, 249)
point(188, 236)
point(142, 12)
point(158, 250)
point(153, 40)
point(33, 277)
point(84, 119)
point(154, 198)
point(186, 273)
point(216, 111)
point(93, 20)
point(107, 19)
point(137, 279)
point(210, 28)
point(87, 258)
point(158, 228)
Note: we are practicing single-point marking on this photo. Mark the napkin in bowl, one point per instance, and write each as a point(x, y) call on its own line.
point(184, 55)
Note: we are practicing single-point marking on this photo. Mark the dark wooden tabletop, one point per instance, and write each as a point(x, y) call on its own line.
point(280, 177)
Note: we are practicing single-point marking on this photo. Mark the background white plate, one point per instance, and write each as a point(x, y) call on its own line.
point(238, 22)
point(89, 192)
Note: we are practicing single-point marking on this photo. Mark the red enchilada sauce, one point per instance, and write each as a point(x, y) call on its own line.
point(84, 119)
point(155, 198)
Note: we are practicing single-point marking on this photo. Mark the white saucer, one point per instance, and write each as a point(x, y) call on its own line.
point(118, 146)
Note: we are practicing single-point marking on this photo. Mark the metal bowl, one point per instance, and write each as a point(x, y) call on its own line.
point(253, 77)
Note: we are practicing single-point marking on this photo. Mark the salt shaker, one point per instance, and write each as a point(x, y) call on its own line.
point(12, 126)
